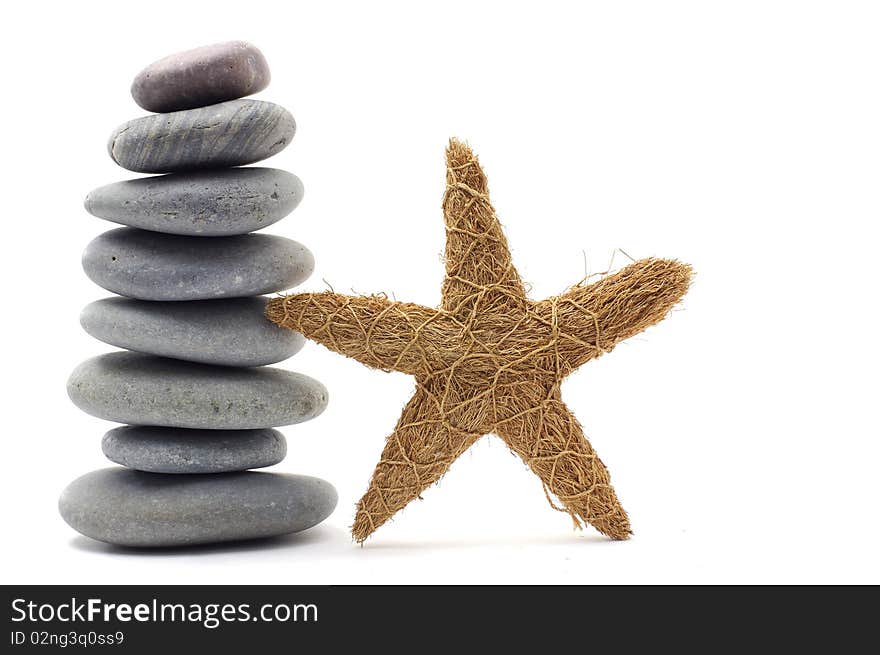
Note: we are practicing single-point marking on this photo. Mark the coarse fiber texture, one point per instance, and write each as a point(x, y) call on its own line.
point(489, 360)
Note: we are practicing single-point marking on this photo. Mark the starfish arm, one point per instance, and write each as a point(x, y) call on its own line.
point(550, 441)
point(590, 320)
point(392, 336)
point(416, 454)
point(479, 270)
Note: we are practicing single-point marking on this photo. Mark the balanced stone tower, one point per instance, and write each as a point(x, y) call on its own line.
point(192, 386)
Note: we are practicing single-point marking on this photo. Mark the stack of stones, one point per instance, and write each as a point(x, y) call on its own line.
point(192, 386)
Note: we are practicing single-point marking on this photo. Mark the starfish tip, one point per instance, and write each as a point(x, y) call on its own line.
point(458, 153)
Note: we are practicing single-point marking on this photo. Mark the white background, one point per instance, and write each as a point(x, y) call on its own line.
point(741, 137)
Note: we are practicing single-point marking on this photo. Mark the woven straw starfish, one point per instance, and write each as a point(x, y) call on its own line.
point(489, 360)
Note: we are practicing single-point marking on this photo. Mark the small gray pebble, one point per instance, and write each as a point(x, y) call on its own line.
point(227, 134)
point(204, 203)
point(142, 389)
point(228, 332)
point(201, 76)
point(132, 508)
point(155, 266)
point(179, 450)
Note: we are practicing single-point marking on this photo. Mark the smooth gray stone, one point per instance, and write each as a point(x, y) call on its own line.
point(203, 203)
point(155, 266)
point(201, 76)
point(132, 508)
point(227, 134)
point(228, 332)
point(179, 450)
point(142, 389)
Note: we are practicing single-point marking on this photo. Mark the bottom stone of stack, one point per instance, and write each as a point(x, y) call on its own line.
point(182, 450)
point(132, 508)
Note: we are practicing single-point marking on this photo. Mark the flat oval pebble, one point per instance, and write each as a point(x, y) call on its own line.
point(231, 133)
point(179, 450)
point(155, 266)
point(204, 203)
point(228, 332)
point(132, 508)
point(201, 76)
point(143, 389)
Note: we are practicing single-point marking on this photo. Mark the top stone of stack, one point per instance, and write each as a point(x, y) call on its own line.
point(203, 76)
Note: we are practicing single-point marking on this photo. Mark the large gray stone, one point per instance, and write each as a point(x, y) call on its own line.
point(132, 508)
point(154, 266)
point(227, 134)
point(201, 76)
point(142, 389)
point(228, 332)
point(179, 450)
point(203, 203)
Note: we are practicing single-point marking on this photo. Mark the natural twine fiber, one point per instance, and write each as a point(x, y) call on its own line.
point(489, 360)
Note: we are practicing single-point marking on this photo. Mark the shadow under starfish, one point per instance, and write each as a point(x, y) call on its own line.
point(489, 360)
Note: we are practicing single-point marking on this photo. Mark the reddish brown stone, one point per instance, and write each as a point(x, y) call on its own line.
point(202, 76)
